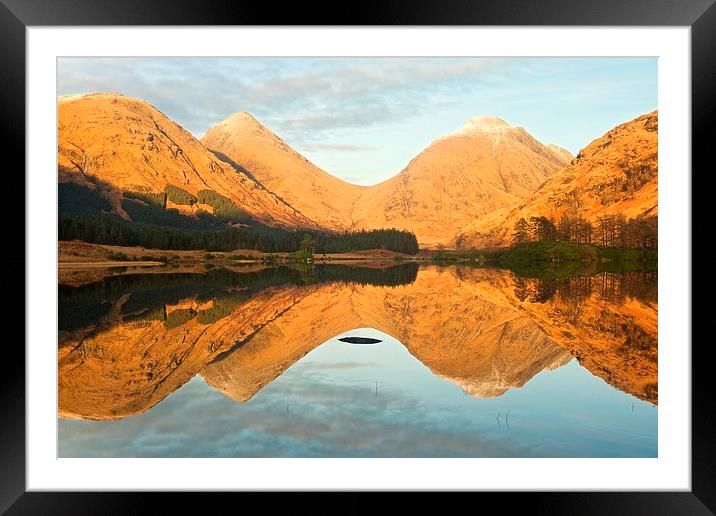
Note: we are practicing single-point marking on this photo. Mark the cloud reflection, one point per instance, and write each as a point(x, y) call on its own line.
point(308, 416)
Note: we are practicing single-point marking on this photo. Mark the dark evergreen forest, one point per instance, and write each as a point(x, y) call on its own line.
point(87, 215)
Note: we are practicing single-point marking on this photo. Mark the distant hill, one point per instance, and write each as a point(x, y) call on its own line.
point(614, 175)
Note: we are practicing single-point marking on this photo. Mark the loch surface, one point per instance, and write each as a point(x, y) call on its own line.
point(401, 360)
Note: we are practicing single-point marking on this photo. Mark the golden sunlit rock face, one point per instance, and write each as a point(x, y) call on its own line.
point(484, 330)
point(485, 165)
point(614, 175)
point(115, 143)
point(321, 197)
point(561, 152)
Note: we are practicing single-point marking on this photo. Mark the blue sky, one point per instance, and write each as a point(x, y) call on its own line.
point(363, 119)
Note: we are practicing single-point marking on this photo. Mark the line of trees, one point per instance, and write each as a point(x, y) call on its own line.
point(80, 306)
point(109, 229)
point(607, 231)
point(616, 231)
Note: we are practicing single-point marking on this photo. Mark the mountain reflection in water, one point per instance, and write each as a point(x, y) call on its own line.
point(128, 341)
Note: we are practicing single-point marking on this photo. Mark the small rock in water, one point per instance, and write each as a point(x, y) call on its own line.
point(360, 340)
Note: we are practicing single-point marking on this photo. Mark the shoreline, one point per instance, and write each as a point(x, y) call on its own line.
point(76, 253)
point(106, 264)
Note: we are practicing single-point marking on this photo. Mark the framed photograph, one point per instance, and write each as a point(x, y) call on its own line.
point(402, 250)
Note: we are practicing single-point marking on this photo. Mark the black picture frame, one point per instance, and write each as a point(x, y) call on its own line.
point(17, 15)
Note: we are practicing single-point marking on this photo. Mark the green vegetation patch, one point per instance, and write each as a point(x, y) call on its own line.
point(550, 252)
point(179, 317)
point(179, 196)
point(564, 251)
point(221, 307)
point(472, 256)
point(620, 254)
point(156, 313)
point(155, 199)
point(118, 257)
point(80, 201)
point(224, 208)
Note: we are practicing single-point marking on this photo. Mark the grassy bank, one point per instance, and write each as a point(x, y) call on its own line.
point(554, 259)
point(470, 256)
point(569, 252)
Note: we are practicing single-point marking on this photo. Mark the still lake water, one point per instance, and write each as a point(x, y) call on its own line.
point(465, 362)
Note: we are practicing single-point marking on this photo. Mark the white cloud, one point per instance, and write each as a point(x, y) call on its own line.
point(397, 104)
point(295, 95)
point(343, 147)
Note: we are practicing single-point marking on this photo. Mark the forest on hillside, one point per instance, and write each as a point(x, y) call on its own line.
point(86, 215)
point(609, 231)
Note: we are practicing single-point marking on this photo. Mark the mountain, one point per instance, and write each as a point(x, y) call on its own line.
point(466, 189)
point(116, 144)
point(484, 166)
point(614, 175)
point(321, 197)
point(119, 363)
point(502, 351)
point(561, 152)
